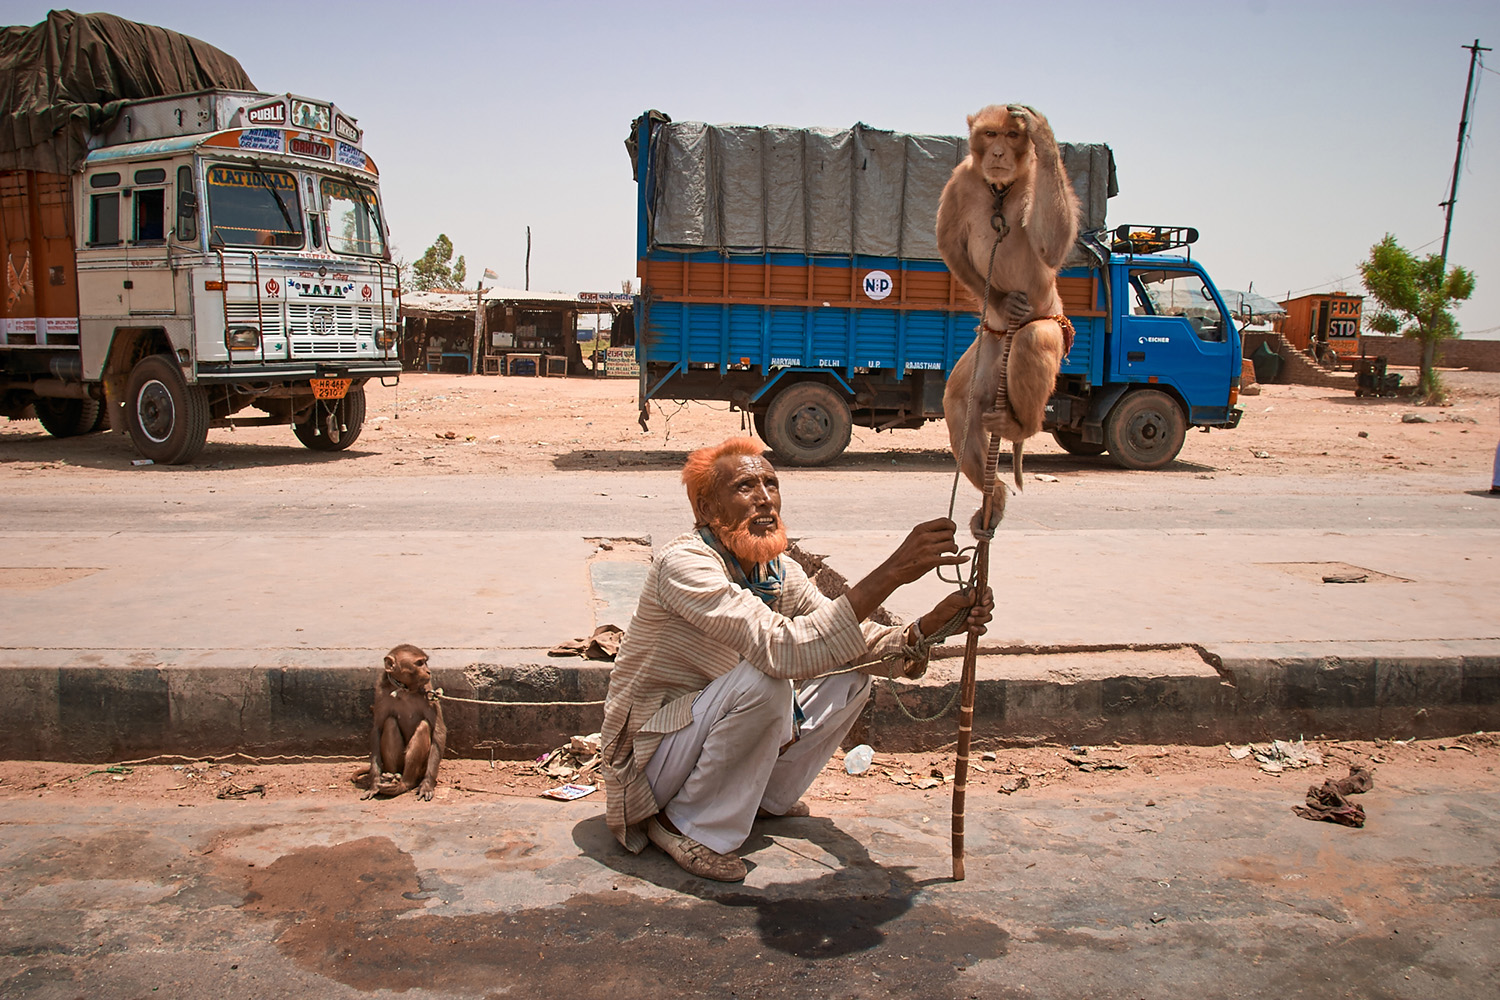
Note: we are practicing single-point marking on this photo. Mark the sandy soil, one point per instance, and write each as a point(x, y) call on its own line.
point(435, 424)
point(449, 424)
point(1461, 760)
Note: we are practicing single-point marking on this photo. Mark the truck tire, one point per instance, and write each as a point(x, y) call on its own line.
point(67, 417)
point(808, 424)
point(1145, 430)
point(166, 417)
point(336, 427)
point(1073, 443)
point(759, 420)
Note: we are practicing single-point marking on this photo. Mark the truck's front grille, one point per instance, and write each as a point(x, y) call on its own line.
point(331, 320)
point(267, 317)
point(309, 347)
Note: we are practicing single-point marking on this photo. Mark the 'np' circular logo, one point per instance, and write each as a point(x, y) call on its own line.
point(878, 285)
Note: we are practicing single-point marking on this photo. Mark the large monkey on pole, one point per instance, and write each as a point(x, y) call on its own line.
point(1007, 219)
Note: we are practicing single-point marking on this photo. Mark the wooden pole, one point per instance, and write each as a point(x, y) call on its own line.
point(968, 679)
point(990, 513)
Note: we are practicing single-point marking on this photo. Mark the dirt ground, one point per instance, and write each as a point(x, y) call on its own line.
point(450, 424)
point(1460, 761)
point(433, 424)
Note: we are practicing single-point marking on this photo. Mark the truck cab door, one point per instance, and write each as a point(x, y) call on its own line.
point(103, 268)
point(1175, 332)
point(151, 286)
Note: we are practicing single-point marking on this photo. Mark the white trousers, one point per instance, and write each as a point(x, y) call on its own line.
point(711, 776)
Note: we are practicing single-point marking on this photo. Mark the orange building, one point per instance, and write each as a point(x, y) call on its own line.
point(1329, 318)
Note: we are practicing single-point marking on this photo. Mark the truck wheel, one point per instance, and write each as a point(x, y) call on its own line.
point(808, 424)
point(1073, 443)
point(333, 427)
point(759, 420)
point(1145, 430)
point(166, 417)
point(67, 417)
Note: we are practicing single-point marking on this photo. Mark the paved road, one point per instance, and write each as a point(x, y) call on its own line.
point(192, 559)
point(1187, 885)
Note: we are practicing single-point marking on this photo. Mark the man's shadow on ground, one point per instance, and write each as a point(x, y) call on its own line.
point(838, 913)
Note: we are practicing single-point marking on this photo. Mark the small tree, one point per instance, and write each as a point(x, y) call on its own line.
point(1414, 298)
point(432, 269)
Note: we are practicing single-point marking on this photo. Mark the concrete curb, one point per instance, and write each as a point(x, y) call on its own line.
point(113, 705)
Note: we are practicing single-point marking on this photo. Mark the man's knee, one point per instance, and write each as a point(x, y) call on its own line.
point(750, 693)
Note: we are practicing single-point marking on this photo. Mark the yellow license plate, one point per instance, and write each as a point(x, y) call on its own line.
point(330, 388)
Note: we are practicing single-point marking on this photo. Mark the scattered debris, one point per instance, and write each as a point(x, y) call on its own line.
point(1329, 802)
point(1278, 755)
point(579, 759)
point(1364, 434)
point(1346, 578)
point(236, 792)
point(1046, 479)
point(1415, 418)
point(1014, 784)
point(1262, 454)
point(603, 644)
point(857, 760)
point(1085, 764)
point(569, 792)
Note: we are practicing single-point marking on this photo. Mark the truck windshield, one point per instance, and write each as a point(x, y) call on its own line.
point(1179, 293)
point(253, 206)
point(353, 219)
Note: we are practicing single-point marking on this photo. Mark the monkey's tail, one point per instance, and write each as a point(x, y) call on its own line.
point(1016, 448)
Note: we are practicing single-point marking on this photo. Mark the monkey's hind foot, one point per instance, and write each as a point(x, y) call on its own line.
point(391, 785)
point(977, 527)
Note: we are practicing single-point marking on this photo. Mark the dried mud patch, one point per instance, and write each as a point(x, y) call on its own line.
point(349, 912)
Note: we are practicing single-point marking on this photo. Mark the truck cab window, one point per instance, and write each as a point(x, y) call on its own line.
point(150, 212)
point(104, 219)
point(353, 217)
point(249, 206)
point(1160, 292)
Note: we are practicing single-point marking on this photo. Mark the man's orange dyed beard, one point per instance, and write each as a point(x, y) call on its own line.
point(751, 547)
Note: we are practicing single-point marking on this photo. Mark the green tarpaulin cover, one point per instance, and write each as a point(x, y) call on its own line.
point(64, 80)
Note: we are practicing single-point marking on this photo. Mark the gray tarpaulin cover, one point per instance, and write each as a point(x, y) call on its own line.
point(65, 79)
point(814, 190)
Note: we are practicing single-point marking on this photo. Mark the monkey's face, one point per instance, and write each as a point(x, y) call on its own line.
point(1000, 145)
point(409, 669)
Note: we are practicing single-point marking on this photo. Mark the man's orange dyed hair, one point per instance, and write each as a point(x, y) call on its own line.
point(700, 473)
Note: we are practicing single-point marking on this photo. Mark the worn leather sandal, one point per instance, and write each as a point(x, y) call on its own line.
point(694, 858)
point(798, 808)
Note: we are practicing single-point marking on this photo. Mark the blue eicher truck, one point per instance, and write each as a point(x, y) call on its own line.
point(794, 273)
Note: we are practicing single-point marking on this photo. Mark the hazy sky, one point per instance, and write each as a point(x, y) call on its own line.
point(1293, 135)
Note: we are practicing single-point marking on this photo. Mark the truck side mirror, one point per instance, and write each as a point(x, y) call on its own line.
point(187, 206)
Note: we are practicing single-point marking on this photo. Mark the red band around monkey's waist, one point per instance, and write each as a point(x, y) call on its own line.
point(1063, 322)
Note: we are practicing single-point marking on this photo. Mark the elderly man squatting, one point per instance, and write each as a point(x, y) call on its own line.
point(703, 728)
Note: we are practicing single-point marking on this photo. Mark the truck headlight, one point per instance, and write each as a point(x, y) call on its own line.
point(242, 338)
point(385, 338)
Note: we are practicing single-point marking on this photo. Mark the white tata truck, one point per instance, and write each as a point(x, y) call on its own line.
point(212, 259)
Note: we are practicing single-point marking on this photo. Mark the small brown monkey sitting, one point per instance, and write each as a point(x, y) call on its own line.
point(1006, 221)
point(408, 736)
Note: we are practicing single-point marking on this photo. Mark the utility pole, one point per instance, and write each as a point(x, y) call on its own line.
point(1463, 127)
point(528, 228)
point(1429, 345)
